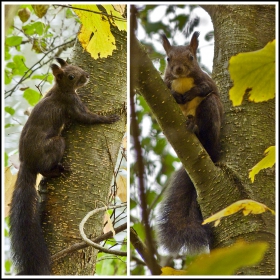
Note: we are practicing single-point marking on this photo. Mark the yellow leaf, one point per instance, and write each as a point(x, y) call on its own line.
point(124, 143)
point(120, 8)
point(248, 206)
point(122, 187)
point(117, 20)
point(40, 10)
point(226, 261)
point(10, 180)
point(253, 73)
point(95, 34)
point(109, 225)
point(171, 271)
point(266, 162)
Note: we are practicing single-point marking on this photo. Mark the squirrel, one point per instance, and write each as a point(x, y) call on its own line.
point(41, 148)
point(179, 229)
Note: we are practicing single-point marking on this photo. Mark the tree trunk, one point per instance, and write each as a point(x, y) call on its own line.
point(91, 153)
point(244, 141)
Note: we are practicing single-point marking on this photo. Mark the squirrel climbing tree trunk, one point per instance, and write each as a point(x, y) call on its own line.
point(91, 153)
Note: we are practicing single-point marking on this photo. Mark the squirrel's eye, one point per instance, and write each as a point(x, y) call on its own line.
point(191, 57)
point(168, 59)
point(71, 77)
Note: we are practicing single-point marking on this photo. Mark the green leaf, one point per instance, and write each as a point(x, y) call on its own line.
point(8, 265)
point(267, 162)
point(13, 41)
point(39, 46)
point(9, 125)
point(104, 267)
point(10, 110)
point(226, 261)
point(18, 66)
point(159, 147)
point(133, 204)
point(69, 13)
point(154, 27)
point(6, 159)
point(139, 228)
point(138, 270)
point(32, 96)
point(7, 53)
point(151, 196)
point(253, 73)
point(47, 77)
point(8, 77)
point(36, 28)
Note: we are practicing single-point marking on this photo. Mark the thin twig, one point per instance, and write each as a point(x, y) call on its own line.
point(82, 245)
point(30, 71)
point(90, 242)
point(150, 259)
point(95, 12)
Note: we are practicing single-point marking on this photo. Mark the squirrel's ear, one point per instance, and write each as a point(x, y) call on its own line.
point(62, 62)
point(194, 42)
point(166, 44)
point(57, 71)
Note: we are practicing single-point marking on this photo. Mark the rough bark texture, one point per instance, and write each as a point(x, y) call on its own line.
point(91, 153)
point(248, 129)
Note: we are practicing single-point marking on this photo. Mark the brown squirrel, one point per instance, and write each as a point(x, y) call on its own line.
point(41, 148)
point(180, 229)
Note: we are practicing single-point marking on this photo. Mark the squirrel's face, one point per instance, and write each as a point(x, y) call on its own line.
point(69, 77)
point(181, 62)
point(75, 76)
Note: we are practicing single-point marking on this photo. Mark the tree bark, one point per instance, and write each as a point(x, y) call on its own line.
point(91, 152)
point(244, 141)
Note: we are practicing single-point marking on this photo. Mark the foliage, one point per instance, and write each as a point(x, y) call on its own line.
point(177, 22)
point(253, 73)
point(247, 206)
point(110, 264)
point(223, 261)
point(267, 162)
point(95, 34)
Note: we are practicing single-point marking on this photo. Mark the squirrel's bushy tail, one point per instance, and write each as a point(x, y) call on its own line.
point(29, 250)
point(179, 228)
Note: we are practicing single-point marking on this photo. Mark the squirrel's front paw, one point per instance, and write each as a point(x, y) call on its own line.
point(178, 97)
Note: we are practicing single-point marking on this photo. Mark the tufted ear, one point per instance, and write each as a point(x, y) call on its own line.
point(57, 71)
point(166, 44)
point(62, 62)
point(194, 42)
